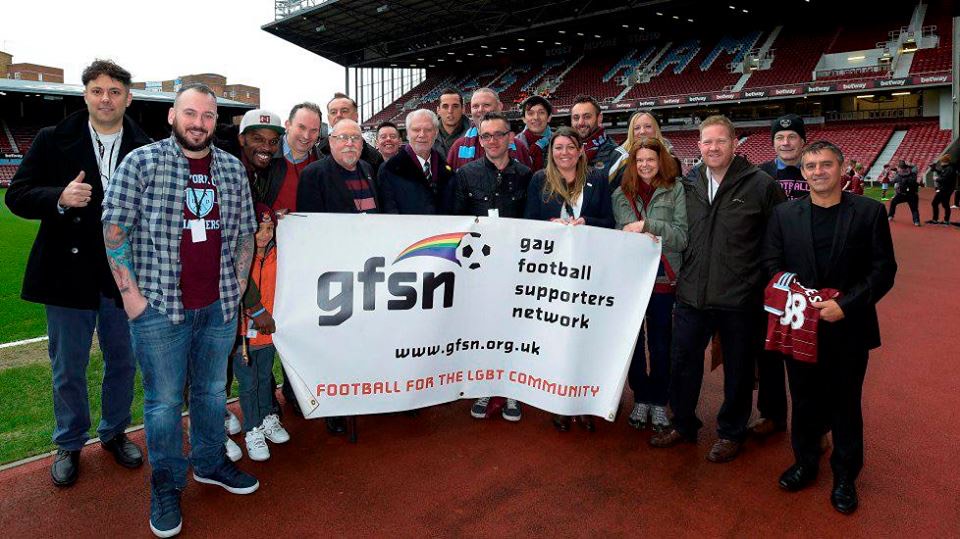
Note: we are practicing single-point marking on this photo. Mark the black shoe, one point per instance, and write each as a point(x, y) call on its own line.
point(125, 452)
point(797, 477)
point(336, 425)
point(561, 422)
point(66, 468)
point(587, 423)
point(844, 496)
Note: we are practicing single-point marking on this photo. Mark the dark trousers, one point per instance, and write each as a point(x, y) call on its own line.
point(772, 387)
point(651, 386)
point(829, 392)
point(942, 198)
point(956, 198)
point(741, 340)
point(912, 200)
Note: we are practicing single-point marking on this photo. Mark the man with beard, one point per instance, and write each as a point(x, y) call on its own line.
point(343, 107)
point(468, 148)
point(587, 118)
point(535, 136)
point(388, 140)
point(453, 122)
point(179, 232)
point(720, 289)
point(416, 180)
point(61, 182)
point(343, 182)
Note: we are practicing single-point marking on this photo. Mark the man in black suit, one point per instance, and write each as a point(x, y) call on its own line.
point(839, 240)
point(416, 180)
point(61, 183)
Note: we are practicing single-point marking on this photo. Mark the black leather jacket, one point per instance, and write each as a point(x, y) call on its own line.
point(479, 187)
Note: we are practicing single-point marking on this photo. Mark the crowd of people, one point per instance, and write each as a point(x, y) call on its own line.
point(168, 249)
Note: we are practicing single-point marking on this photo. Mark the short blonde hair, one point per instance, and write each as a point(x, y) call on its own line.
point(719, 119)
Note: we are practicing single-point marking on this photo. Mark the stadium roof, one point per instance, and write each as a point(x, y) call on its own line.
point(76, 90)
point(416, 33)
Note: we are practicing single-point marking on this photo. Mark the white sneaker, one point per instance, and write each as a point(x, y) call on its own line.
point(233, 450)
point(231, 423)
point(273, 430)
point(256, 445)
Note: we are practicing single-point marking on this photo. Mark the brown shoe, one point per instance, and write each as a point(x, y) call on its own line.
point(724, 451)
point(764, 427)
point(669, 438)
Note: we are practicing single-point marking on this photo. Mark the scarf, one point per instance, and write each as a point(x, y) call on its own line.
point(593, 145)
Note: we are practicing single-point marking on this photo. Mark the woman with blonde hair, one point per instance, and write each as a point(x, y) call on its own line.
point(642, 124)
point(651, 201)
point(566, 191)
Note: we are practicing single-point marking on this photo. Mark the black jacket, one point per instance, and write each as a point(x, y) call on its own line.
point(606, 155)
point(445, 141)
point(404, 188)
point(906, 182)
point(479, 187)
point(68, 263)
point(321, 189)
point(946, 178)
point(368, 154)
point(862, 264)
point(721, 264)
point(596, 208)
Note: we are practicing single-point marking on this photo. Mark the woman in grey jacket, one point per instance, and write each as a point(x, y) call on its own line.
point(651, 201)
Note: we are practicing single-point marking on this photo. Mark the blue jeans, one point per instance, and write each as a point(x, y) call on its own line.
point(71, 335)
point(652, 387)
point(169, 354)
point(256, 385)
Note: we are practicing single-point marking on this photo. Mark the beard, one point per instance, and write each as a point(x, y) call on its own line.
point(181, 136)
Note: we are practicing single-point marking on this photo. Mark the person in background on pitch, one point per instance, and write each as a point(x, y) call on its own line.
point(720, 289)
point(179, 227)
point(388, 140)
point(253, 362)
point(908, 191)
point(945, 183)
point(61, 182)
point(852, 252)
point(569, 192)
point(651, 201)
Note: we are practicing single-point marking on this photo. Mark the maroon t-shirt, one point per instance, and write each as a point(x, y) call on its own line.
point(200, 261)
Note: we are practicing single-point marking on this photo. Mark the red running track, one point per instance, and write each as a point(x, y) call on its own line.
point(444, 474)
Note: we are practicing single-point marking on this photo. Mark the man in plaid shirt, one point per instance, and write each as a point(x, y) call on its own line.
point(179, 231)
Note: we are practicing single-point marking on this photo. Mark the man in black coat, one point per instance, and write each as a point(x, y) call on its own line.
point(416, 180)
point(342, 182)
point(720, 289)
point(61, 182)
point(907, 188)
point(841, 241)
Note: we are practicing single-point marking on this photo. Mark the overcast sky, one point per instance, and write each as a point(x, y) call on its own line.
point(163, 39)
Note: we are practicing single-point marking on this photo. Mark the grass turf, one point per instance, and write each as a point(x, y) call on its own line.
point(18, 319)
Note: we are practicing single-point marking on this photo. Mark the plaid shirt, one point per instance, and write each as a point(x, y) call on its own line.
point(145, 197)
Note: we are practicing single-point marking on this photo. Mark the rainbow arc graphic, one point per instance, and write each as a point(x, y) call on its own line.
point(440, 246)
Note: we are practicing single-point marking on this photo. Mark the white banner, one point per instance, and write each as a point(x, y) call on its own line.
point(382, 313)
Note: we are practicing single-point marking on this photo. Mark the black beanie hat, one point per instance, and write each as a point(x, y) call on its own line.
point(789, 122)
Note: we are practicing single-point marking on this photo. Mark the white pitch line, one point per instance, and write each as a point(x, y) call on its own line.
point(25, 341)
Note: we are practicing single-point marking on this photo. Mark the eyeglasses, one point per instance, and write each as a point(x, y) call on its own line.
point(487, 137)
point(347, 138)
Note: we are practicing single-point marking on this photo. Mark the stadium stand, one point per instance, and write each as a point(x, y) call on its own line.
point(925, 141)
point(936, 59)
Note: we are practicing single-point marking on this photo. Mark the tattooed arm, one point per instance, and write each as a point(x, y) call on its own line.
point(244, 256)
point(121, 265)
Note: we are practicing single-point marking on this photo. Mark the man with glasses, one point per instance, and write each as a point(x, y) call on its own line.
point(179, 232)
point(468, 147)
point(343, 107)
point(494, 185)
point(342, 183)
point(388, 140)
point(61, 182)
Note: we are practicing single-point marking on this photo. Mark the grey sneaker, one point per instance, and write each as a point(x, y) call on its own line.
point(638, 417)
point(658, 416)
point(511, 411)
point(479, 409)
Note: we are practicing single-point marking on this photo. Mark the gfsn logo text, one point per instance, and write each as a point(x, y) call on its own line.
point(407, 289)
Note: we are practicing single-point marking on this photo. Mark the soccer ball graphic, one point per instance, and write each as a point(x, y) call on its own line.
point(472, 250)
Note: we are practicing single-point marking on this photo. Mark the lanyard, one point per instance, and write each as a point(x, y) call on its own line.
point(101, 149)
point(199, 203)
